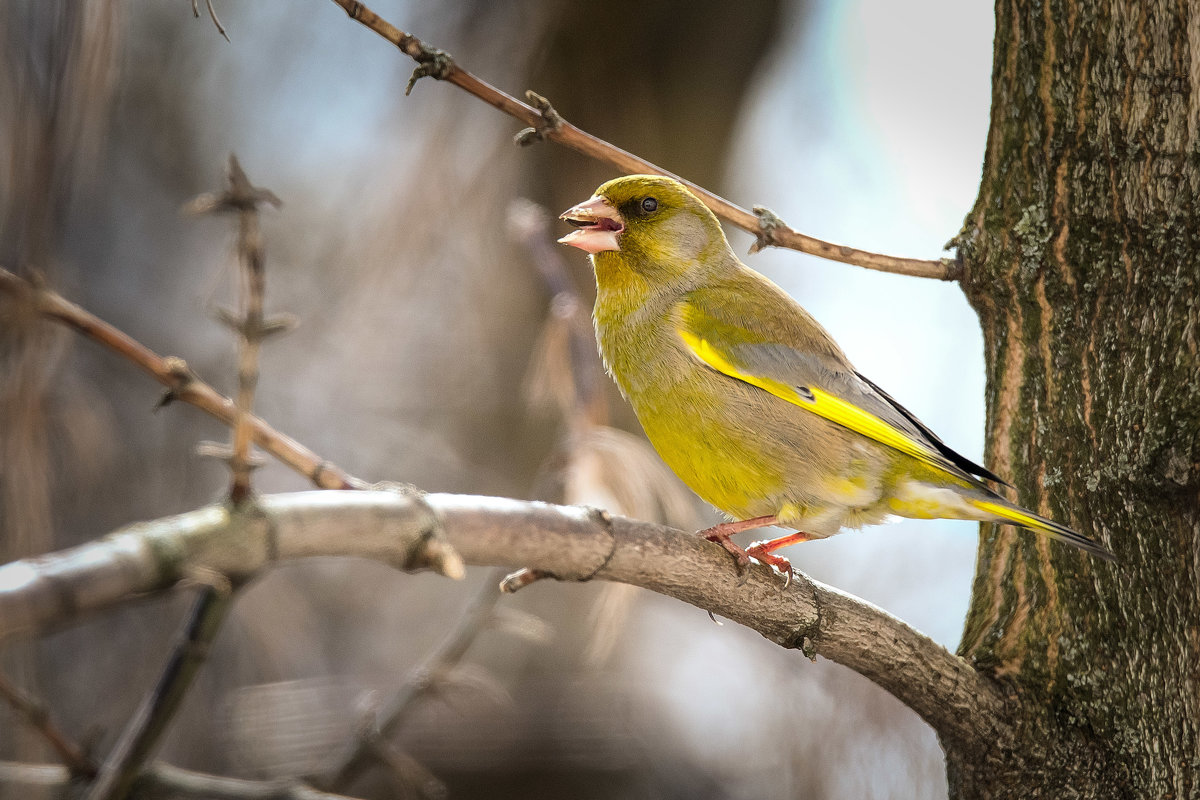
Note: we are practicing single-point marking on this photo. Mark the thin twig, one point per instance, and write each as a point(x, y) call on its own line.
point(147, 726)
point(182, 384)
point(212, 14)
point(547, 124)
point(35, 714)
point(389, 717)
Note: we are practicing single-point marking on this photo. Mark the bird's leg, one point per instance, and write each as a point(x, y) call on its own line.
point(762, 550)
point(721, 533)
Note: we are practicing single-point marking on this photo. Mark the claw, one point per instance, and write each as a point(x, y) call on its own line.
point(760, 552)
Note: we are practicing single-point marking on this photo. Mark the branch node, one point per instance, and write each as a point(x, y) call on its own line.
point(432, 549)
point(253, 330)
point(769, 225)
point(604, 518)
point(223, 452)
point(804, 636)
point(431, 63)
point(211, 579)
point(955, 267)
point(240, 196)
point(181, 376)
point(551, 121)
point(280, 323)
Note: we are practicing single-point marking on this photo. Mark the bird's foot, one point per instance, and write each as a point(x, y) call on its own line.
point(762, 552)
point(734, 549)
point(721, 535)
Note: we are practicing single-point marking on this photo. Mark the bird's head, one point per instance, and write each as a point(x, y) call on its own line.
point(650, 222)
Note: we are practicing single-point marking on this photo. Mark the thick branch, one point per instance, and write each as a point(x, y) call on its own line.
point(181, 383)
point(764, 225)
point(568, 542)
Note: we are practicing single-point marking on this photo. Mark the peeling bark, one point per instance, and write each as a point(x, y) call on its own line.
point(1082, 258)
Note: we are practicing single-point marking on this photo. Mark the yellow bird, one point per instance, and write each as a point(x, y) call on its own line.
point(747, 398)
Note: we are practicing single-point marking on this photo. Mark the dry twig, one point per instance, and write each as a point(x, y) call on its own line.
point(546, 123)
point(182, 384)
point(212, 14)
point(389, 717)
point(145, 729)
point(34, 712)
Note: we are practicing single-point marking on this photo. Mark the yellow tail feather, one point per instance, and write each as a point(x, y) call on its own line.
point(1027, 519)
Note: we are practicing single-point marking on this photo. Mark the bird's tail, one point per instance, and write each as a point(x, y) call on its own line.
point(1000, 510)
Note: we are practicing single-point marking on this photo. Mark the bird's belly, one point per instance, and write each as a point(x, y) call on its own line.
point(747, 453)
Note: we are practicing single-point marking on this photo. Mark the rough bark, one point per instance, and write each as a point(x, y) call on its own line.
point(1082, 257)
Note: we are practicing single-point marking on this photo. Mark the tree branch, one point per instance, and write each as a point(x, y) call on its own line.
point(547, 124)
point(182, 384)
point(148, 724)
point(389, 716)
point(34, 712)
point(574, 544)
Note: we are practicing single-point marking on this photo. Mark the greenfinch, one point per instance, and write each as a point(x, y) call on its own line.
point(747, 398)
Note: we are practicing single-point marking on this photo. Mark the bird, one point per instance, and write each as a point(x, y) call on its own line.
point(748, 399)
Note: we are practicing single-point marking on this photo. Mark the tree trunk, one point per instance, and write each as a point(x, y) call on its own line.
point(1082, 258)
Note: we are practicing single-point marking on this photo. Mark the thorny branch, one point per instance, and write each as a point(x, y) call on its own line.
point(244, 199)
point(548, 124)
point(153, 718)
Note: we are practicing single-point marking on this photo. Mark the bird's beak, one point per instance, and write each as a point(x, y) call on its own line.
point(598, 225)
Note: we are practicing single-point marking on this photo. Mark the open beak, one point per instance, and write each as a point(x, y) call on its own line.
point(597, 226)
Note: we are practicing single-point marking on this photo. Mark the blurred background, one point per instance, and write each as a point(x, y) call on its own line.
point(430, 352)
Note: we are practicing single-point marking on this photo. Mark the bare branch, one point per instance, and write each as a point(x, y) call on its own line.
point(182, 384)
point(383, 721)
point(548, 124)
point(147, 726)
point(34, 712)
point(574, 544)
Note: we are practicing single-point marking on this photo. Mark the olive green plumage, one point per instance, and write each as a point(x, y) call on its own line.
point(744, 395)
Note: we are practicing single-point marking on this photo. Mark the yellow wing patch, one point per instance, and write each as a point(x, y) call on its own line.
point(817, 401)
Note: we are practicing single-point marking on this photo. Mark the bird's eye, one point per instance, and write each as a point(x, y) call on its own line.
point(649, 205)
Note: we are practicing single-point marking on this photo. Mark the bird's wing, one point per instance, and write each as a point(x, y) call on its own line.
point(820, 382)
